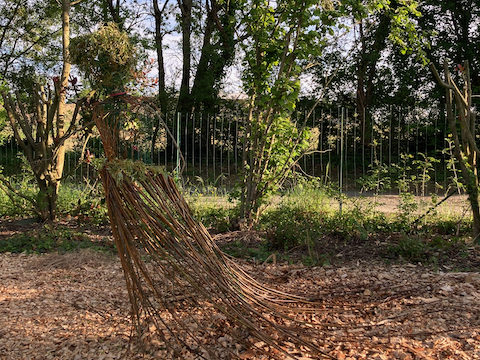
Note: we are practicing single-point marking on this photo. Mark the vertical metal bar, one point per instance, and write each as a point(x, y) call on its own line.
point(399, 131)
point(236, 146)
point(213, 147)
point(200, 145)
point(321, 142)
point(339, 110)
point(228, 148)
point(417, 135)
point(426, 138)
point(314, 150)
point(330, 120)
point(407, 122)
point(193, 144)
point(222, 141)
point(390, 138)
point(185, 155)
point(445, 141)
point(373, 146)
point(346, 146)
point(177, 167)
point(380, 133)
point(435, 150)
point(304, 156)
point(166, 143)
point(363, 142)
point(173, 132)
point(208, 141)
point(354, 125)
point(341, 162)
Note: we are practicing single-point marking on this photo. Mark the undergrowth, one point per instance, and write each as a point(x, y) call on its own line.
point(305, 217)
point(49, 239)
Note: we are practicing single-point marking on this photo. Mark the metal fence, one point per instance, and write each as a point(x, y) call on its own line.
point(212, 146)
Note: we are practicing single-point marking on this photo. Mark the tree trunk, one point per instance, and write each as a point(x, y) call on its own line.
point(186, 25)
point(465, 149)
point(47, 199)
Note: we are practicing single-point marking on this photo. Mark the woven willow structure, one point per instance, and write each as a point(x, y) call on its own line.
point(184, 291)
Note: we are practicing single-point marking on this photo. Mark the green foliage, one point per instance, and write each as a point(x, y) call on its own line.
point(83, 201)
point(410, 249)
point(408, 175)
point(27, 35)
point(406, 209)
point(306, 214)
point(417, 250)
point(5, 131)
point(298, 218)
point(48, 239)
point(16, 203)
point(214, 216)
point(106, 57)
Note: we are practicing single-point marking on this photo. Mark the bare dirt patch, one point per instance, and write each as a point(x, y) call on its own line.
point(75, 306)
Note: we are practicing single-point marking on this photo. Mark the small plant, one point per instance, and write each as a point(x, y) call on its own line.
point(410, 249)
point(378, 179)
point(259, 253)
point(406, 209)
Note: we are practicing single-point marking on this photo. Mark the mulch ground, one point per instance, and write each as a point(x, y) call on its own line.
point(75, 306)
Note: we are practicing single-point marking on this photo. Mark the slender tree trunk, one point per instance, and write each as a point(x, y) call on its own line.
point(162, 93)
point(62, 108)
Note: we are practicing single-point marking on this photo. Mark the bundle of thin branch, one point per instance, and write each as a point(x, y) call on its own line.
point(189, 296)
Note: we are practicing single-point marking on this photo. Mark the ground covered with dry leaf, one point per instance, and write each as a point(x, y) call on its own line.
point(75, 306)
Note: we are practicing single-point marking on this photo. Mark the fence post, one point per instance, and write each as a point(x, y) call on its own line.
point(177, 168)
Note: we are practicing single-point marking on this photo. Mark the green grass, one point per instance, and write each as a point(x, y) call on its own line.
point(48, 239)
point(259, 252)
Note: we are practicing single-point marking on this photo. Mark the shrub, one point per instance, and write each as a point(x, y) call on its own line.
point(214, 215)
point(305, 214)
point(84, 201)
point(299, 217)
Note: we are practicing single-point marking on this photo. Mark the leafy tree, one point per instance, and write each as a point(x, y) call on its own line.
point(160, 14)
point(185, 21)
point(27, 29)
point(38, 119)
point(281, 40)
